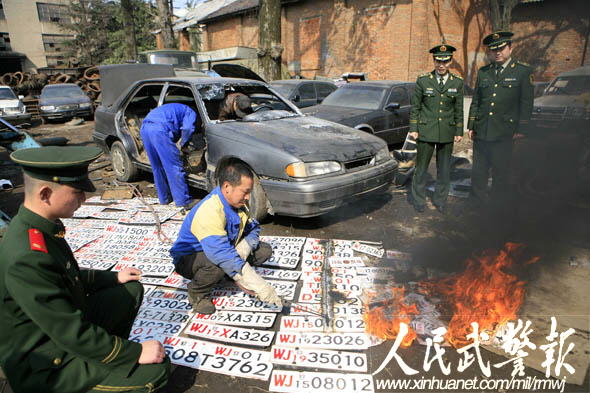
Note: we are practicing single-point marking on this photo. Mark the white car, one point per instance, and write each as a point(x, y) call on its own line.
point(12, 108)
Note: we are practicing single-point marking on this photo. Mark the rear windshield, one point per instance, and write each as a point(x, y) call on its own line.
point(284, 89)
point(569, 85)
point(7, 94)
point(361, 97)
point(63, 91)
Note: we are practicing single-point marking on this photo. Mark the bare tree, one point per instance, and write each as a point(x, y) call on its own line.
point(165, 19)
point(129, 28)
point(501, 13)
point(269, 39)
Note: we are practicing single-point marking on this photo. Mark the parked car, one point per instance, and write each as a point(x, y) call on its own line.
point(540, 88)
point(64, 101)
point(12, 108)
point(304, 93)
point(304, 166)
point(565, 105)
point(381, 108)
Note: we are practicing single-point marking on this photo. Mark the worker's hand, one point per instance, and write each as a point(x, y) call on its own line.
point(244, 249)
point(128, 274)
point(471, 133)
point(414, 135)
point(458, 138)
point(518, 135)
point(152, 351)
point(251, 282)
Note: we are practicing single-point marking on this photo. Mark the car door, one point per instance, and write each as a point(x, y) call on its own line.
point(305, 95)
point(397, 119)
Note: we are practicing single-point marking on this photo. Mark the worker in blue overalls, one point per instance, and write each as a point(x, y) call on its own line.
point(160, 131)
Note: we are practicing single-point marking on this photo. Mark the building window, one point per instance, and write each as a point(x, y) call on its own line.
point(54, 61)
point(53, 12)
point(5, 42)
point(55, 42)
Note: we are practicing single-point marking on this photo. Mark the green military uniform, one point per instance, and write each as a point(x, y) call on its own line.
point(63, 329)
point(437, 116)
point(502, 105)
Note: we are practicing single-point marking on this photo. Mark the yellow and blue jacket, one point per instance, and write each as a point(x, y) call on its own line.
point(214, 227)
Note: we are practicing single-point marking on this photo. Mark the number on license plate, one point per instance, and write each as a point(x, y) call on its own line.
point(295, 381)
point(319, 358)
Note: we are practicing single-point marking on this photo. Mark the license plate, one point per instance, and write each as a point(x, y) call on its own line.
point(298, 381)
point(217, 358)
point(278, 274)
point(342, 310)
point(166, 304)
point(148, 269)
point(147, 290)
point(310, 295)
point(249, 303)
point(305, 309)
point(316, 324)
point(284, 262)
point(140, 334)
point(398, 255)
point(177, 294)
point(175, 280)
point(284, 289)
point(283, 239)
point(311, 276)
point(349, 341)
point(238, 318)
point(375, 271)
point(152, 280)
point(312, 263)
point(346, 261)
point(374, 251)
point(230, 334)
point(170, 328)
point(175, 316)
point(319, 358)
point(94, 264)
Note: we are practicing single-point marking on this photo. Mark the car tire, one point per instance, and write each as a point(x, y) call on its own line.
point(123, 167)
point(258, 201)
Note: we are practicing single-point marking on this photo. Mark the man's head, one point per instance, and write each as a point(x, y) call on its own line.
point(236, 182)
point(499, 45)
point(443, 57)
point(242, 106)
point(52, 200)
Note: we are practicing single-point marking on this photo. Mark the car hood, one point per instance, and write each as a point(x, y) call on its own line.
point(9, 103)
point(227, 70)
point(116, 78)
point(562, 101)
point(63, 100)
point(307, 138)
point(335, 113)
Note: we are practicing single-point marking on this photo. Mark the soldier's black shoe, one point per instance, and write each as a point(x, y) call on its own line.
point(441, 208)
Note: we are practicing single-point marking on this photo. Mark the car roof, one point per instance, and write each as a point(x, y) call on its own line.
point(296, 81)
point(380, 83)
point(195, 80)
point(60, 85)
point(580, 71)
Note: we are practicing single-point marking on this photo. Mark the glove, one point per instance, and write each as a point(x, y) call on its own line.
point(249, 280)
point(243, 249)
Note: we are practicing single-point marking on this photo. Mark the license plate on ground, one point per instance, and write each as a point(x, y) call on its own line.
point(278, 274)
point(217, 358)
point(374, 251)
point(174, 316)
point(148, 269)
point(177, 294)
point(348, 341)
point(166, 304)
point(316, 324)
point(319, 358)
point(238, 318)
point(249, 303)
point(296, 382)
point(346, 261)
point(284, 262)
point(230, 334)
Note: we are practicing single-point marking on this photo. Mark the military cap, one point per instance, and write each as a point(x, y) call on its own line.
point(442, 52)
point(59, 164)
point(498, 40)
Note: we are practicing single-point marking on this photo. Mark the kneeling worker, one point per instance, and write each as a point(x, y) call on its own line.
point(63, 329)
point(218, 238)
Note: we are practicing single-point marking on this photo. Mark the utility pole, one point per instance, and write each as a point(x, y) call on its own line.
point(269, 39)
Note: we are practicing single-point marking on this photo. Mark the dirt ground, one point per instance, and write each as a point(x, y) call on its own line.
point(549, 223)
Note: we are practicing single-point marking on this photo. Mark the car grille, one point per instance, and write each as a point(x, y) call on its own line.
point(67, 107)
point(548, 113)
point(356, 165)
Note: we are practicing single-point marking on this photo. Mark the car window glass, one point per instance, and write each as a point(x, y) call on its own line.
point(307, 91)
point(324, 90)
point(62, 91)
point(357, 96)
point(569, 85)
point(180, 95)
point(284, 89)
point(7, 94)
point(399, 95)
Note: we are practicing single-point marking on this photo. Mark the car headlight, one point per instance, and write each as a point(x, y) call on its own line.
point(307, 169)
point(382, 155)
point(47, 107)
point(85, 105)
point(22, 108)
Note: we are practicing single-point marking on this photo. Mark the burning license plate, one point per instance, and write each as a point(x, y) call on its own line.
point(374, 251)
point(217, 358)
point(349, 341)
point(316, 324)
point(238, 318)
point(318, 358)
point(278, 274)
point(297, 382)
point(230, 334)
point(148, 269)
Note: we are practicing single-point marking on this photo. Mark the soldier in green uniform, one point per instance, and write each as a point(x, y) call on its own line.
point(436, 121)
point(63, 329)
point(500, 112)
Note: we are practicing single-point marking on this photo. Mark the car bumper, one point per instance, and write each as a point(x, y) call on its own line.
point(66, 114)
point(319, 196)
point(17, 118)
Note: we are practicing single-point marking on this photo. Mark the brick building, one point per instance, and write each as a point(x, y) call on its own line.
point(390, 39)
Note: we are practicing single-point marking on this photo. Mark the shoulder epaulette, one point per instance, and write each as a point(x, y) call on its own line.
point(423, 75)
point(456, 76)
point(37, 241)
point(522, 63)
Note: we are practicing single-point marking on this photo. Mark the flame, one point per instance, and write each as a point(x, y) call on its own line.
point(382, 319)
point(487, 292)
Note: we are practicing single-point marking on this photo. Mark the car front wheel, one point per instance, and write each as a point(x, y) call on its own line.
point(123, 167)
point(258, 201)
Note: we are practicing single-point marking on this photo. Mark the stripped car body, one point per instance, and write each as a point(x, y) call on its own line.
point(304, 166)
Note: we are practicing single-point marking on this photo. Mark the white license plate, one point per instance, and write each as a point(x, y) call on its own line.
point(148, 269)
point(283, 239)
point(375, 271)
point(374, 251)
point(175, 280)
point(305, 309)
point(349, 341)
point(319, 358)
point(342, 310)
point(217, 358)
point(238, 318)
point(285, 289)
point(309, 295)
point(316, 324)
point(249, 303)
point(284, 262)
point(311, 276)
point(171, 328)
point(230, 334)
point(154, 314)
point(140, 334)
point(148, 289)
point(296, 382)
point(398, 255)
point(278, 274)
point(346, 261)
point(177, 294)
point(94, 264)
point(152, 280)
point(166, 304)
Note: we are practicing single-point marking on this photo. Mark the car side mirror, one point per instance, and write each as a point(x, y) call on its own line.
point(392, 107)
point(21, 97)
point(296, 98)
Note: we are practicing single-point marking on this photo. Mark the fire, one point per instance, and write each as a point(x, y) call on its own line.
point(383, 318)
point(487, 292)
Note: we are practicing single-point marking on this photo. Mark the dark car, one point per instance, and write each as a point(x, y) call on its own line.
point(64, 101)
point(381, 108)
point(304, 93)
point(540, 88)
point(304, 166)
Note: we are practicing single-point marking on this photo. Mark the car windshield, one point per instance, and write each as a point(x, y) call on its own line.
point(7, 94)
point(177, 60)
point(569, 85)
point(63, 91)
point(361, 97)
point(284, 89)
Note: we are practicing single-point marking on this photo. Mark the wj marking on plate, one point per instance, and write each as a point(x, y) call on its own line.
point(230, 334)
point(319, 358)
point(296, 381)
point(238, 318)
point(347, 341)
point(243, 304)
point(316, 324)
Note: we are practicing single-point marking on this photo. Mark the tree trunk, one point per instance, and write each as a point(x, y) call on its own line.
point(501, 13)
point(129, 28)
point(165, 24)
point(269, 40)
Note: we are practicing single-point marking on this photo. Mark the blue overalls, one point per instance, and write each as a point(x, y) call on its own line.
point(160, 131)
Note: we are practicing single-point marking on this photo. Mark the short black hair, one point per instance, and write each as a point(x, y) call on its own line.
point(232, 170)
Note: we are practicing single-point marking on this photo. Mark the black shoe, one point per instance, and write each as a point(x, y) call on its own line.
point(441, 208)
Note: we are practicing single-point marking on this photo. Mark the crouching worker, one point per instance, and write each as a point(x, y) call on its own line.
point(63, 329)
point(218, 238)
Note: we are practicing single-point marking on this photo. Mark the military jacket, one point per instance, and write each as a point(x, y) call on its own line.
point(437, 114)
point(501, 105)
point(42, 311)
